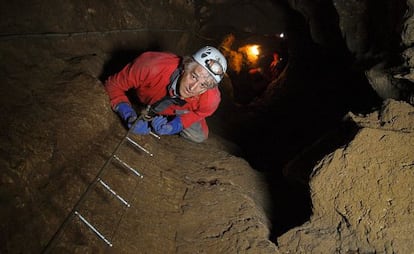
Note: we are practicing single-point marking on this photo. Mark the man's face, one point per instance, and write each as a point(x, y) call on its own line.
point(195, 82)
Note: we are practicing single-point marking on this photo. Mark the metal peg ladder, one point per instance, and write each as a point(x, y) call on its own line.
point(98, 180)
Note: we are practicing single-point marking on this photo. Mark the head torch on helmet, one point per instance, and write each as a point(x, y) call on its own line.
point(214, 67)
point(213, 61)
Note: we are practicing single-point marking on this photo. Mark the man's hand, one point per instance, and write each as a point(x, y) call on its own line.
point(141, 127)
point(129, 116)
point(161, 125)
point(127, 113)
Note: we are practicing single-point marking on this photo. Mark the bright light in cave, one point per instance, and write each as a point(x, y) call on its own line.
point(251, 52)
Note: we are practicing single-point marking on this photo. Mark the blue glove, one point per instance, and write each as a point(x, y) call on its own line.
point(161, 125)
point(127, 113)
point(141, 127)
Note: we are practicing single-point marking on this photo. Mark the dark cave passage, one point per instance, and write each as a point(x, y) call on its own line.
point(307, 107)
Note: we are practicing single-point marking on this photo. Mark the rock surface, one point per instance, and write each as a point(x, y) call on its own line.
point(58, 133)
point(362, 193)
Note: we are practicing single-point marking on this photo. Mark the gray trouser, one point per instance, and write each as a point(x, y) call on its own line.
point(194, 133)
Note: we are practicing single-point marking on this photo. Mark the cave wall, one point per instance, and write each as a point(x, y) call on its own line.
point(362, 192)
point(57, 128)
point(375, 36)
point(56, 56)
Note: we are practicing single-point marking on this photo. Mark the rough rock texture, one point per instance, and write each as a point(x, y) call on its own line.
point(57, 132)
point(56, 139)
point(362, 194)
point(205, 199)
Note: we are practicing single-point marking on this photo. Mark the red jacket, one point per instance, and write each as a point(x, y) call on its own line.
point(149, 74)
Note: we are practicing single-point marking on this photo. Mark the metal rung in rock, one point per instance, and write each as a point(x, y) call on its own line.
point(74, 211)
point(127, 166)
point(113, 193)
point(154, 135)
point(138, 146)
point(93, 228)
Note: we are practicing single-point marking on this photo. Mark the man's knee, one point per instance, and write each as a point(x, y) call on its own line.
point(194, 133)
point(195, 137)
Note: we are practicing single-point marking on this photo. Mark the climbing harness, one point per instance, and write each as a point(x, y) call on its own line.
point(169, 99)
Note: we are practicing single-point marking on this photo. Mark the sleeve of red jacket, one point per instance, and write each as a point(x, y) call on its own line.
point(129, 77)
point(208, 104)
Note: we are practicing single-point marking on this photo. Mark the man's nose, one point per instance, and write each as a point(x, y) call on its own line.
point(193, 86)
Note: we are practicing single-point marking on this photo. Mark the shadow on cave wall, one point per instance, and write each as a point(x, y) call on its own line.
point(121, 57)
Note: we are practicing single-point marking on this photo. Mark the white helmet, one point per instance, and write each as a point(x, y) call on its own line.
point(212, 60)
